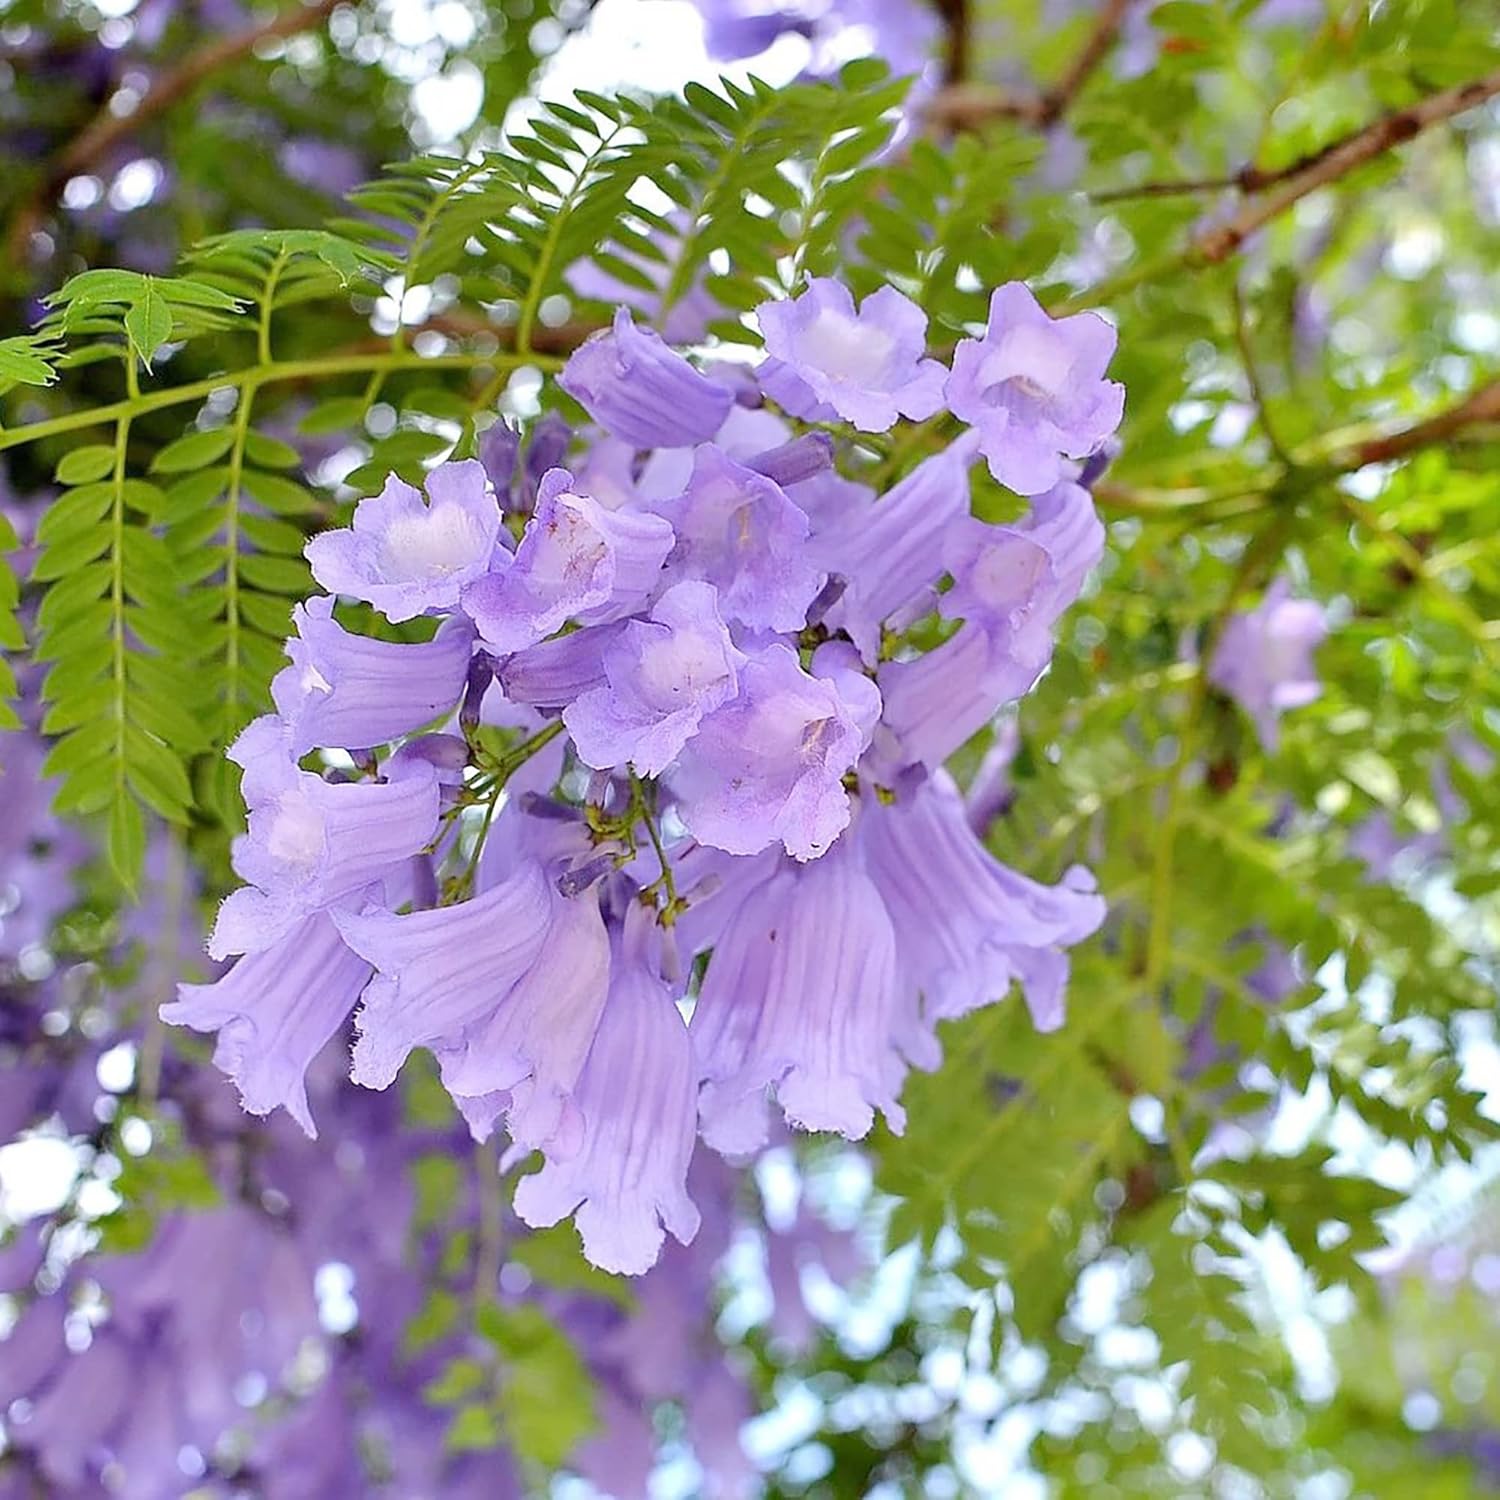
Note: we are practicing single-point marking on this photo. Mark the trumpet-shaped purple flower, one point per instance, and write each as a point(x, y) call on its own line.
point(577, 561)
point(274, 1012)
point(889, 552)
point(800, 996)
point(1011, 585)
point(661, 676)
point(641, 391)
point(553, 673)
point(312, 842)
point(738, 530)
point(770, 763)
point(505, 989)
point(354, 692)
point(407, 555)
point(966, 925)
point(1034, 388)
point(627, 1180)
point(866, 366)
point(1016, 581)
point(1264, 659)
point(934, 703)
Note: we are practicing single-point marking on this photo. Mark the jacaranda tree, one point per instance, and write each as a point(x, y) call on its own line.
point(782, 789)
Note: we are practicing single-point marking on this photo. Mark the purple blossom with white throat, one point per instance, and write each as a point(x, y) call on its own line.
point(1034, 389)
point(576, 561)
point(769, 765)
point(866, 366)
point(737, 530)
point(1016, 581)
point(313, 843)
point(407, 554)
point(662, 675)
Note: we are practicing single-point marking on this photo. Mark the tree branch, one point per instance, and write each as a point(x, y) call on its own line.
point(1288, 185)
point(955, 14)
point(108, 129)
point(1475, 410)
point(965, 106)
point(1097, 46)
point(1483, 406)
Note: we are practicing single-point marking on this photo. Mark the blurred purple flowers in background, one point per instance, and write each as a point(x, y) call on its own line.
point(1264, 658)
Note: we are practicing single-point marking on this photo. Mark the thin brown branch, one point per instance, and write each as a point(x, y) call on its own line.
point(108, 129)
point(966, 106)
point(1284, 186)
point(1097, 46)
point(1481, 407)
point(956, 20)
point(1472, 415)
point(1274, 192)
point(1181, 188)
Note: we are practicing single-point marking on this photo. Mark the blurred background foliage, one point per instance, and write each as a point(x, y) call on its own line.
point(1232, 1231)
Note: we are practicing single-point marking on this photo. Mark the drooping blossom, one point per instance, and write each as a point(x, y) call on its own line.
point(626, 1180)
point(505, 989)
point(313, 842)
point(892, 550)
point(969, 927)
point(769, 765)
point(407, 554)
point(641, 391)
point(1034, 389)
point(347, 690)
point(1264, 658)
point(800, 996)
point(576, 561)
point(1011, 586)
point(828, 360)
point(662, 674)
point(274, 1011)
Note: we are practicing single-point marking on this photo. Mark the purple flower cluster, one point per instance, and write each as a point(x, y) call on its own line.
point(673, 709)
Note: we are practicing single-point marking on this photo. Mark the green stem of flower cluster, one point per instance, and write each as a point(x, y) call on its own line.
point(138, 404)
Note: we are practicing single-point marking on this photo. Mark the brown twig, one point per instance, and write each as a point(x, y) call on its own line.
point(1477, 410)
point(108, 129)
point(1275, 192)
point(1097, 46)
point(964, 106)
point(955, 14)
point(1284, 186)
point(967, 106)
point(1483, 406)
